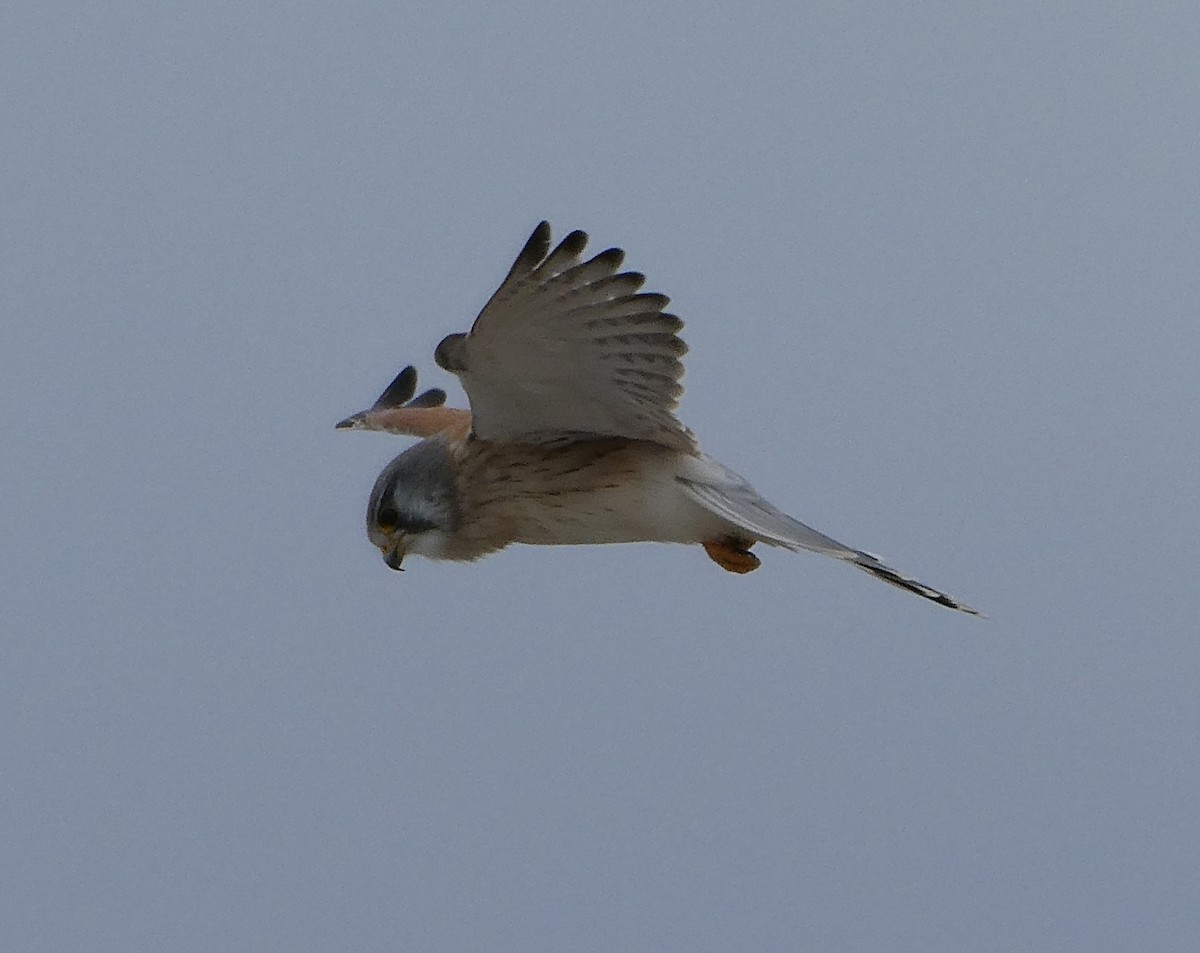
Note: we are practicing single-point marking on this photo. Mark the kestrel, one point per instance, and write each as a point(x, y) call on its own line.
point(572, 374)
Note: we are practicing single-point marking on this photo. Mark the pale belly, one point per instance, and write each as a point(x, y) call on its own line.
point(639, 511)
point(586, 494)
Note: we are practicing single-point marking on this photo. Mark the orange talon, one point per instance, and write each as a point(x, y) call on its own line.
point(732, 555)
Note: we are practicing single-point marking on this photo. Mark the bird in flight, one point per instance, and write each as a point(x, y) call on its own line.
point(572, 373)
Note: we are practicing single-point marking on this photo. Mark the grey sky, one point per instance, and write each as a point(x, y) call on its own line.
point(939, 272)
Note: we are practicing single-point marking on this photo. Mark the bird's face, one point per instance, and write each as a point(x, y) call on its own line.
point(413, 507)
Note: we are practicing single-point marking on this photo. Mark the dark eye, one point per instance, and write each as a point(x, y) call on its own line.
point(387, 519)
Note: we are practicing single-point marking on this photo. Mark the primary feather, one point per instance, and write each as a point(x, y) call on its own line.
point(568, 348)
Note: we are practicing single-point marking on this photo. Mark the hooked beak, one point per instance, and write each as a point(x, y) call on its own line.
point(393, 558)
point(351, 422)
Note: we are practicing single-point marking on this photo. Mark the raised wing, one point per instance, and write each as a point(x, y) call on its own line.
point(397, 411)
point(568, 349)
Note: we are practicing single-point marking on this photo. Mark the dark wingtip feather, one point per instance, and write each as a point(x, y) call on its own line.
point(573, 245)
point(612, 257)
point(536, 248)
point(399, 391)
point(671, 321)
point(633, 279)
point(434, 397)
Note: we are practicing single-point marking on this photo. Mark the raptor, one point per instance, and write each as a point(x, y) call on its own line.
point(573, 375)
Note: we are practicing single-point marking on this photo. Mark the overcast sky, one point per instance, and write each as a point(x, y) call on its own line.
point(939, 268)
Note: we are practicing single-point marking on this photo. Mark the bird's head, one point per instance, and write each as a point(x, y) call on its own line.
point(414, 505)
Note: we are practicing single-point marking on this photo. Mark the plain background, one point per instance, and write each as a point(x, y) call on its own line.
point(939, 264)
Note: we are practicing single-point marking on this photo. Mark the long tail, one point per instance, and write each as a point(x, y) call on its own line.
point(720, 490)
point(869, 563)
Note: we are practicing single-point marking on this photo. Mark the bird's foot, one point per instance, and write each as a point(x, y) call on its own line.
point(732, 555)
